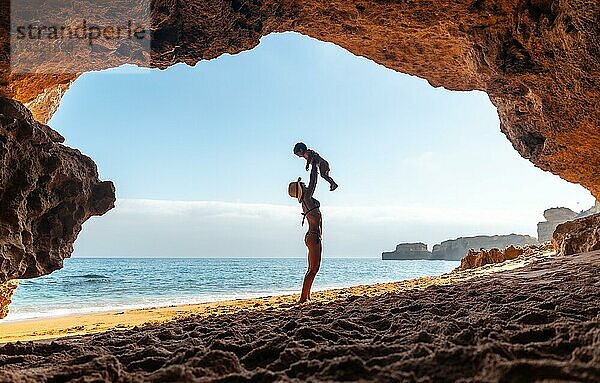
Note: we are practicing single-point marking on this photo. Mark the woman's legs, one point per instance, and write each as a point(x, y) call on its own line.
point(313, 243)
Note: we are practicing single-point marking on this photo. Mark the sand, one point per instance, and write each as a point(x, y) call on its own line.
point(532, 319)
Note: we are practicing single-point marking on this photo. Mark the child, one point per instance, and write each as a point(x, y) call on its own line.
point(313, 157)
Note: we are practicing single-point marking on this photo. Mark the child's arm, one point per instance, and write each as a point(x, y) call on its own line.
point(307, 163)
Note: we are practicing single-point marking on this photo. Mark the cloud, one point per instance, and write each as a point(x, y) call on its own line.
point(159, 228)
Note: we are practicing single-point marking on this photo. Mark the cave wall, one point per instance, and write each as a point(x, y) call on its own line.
point(7, 289)
point(47, 191)
point(538, 60)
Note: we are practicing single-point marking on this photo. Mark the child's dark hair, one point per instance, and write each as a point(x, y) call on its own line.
point(300, 147)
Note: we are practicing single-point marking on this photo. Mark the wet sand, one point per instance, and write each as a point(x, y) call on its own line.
point(534, 322)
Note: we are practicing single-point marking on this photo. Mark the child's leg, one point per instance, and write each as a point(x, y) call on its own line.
point(327, 177)
point(324, 170)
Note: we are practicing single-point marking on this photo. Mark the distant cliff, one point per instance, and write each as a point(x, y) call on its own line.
point(558, 215)
point(408, 251)
point(456, 249)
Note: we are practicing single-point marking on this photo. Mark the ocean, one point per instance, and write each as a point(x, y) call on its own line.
point(87, 285)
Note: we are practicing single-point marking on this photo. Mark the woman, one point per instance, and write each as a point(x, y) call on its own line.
point(312, 239)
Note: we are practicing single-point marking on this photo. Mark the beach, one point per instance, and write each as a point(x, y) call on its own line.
point(521, 320)
point(68, 325)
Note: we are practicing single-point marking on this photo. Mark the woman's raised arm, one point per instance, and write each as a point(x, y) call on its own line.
point(312, 184)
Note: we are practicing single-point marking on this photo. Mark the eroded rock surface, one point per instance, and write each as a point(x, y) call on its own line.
point(7, 289)
point(539, 323)
point(578, 236)
point(483, 257)
point(47, 191)
point(475, 259)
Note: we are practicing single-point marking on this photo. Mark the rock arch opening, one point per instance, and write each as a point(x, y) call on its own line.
point(223, 131)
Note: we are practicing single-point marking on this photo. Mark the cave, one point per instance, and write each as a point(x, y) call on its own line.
point(538, 61)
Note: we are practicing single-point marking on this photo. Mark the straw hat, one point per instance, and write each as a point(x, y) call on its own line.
point(295, 189)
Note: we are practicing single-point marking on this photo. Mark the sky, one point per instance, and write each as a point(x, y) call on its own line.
point(201, 156)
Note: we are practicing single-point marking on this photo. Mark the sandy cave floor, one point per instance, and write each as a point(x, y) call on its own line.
point(536, 323)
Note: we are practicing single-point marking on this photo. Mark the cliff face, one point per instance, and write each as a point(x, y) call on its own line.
point(455, 249)
point(47, 191)
point(408, 251)
point(558, 215)
point(554, 217)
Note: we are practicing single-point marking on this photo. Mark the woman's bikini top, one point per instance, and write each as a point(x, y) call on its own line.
point(316, 204)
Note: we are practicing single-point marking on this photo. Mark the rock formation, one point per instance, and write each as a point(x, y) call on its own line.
point(47, 191)
point(456, 249)
point(7, 289)
point(556, 216)
point(479, 258)
point(593, 210)
point(578, 236)
point(408, 251)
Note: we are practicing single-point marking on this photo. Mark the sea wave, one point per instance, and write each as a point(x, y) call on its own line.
point(91, 276)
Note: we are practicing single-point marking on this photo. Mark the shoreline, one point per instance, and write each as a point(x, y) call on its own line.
point(90, 323)
point(121, 308)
